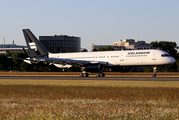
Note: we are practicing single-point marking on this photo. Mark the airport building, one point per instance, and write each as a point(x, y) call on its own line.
point(131, 44)
point(126, 44)
point(11, 48)
point(61, 43)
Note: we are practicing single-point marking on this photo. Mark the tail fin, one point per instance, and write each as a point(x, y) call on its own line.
point(36, 49)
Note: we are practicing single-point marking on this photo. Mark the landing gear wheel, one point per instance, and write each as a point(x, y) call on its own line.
point(154, 75)
point(84, 74)
point(97, 75)
point(81, 74)
point(100, 75)
point(103, 75)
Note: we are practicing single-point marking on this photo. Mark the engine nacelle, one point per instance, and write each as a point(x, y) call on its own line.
point(96, 67)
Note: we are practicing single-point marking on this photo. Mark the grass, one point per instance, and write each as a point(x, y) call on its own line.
point(88, 99)
point(90, 83)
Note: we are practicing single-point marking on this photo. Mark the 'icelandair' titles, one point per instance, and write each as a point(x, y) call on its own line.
point(138, 53)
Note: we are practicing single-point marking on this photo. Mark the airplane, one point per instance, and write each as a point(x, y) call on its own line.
point(93, 61)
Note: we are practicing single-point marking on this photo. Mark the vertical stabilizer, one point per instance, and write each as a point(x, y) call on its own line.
point(34, 46)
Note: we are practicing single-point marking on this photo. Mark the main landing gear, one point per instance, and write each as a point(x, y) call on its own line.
point(100, 74)
point(154, 71)
point(84, 74)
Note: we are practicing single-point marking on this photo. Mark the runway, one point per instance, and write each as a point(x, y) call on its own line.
point(91, 78)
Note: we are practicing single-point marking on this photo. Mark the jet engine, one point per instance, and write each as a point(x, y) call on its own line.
point(96, 67)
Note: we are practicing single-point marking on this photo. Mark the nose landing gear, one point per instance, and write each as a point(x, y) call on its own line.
point(154, 71)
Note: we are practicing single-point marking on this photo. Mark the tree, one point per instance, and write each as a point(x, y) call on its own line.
point(177, 62)
point(167, 46)
point(84, 50)
point(26, 67)
point(3, 62)
point(16, 61)
point(94, 49)
point(10, 63)
point(101, 49)
point(107, 48)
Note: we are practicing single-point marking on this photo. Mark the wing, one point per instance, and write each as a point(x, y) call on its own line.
point(72, 62)
point(62, 61)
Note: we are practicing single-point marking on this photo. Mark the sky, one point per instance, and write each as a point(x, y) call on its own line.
point(99, 22)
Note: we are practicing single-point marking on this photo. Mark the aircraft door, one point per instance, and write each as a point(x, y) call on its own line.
point(153, 56)
point(122, 57)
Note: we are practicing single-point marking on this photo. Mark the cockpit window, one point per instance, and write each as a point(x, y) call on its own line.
point(165, 55)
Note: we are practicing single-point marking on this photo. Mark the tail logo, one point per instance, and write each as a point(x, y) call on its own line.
point(33, 46)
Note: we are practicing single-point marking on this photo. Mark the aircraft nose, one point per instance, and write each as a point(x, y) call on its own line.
point(172, 60)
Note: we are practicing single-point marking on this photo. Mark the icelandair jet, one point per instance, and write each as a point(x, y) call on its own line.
point(93, 61)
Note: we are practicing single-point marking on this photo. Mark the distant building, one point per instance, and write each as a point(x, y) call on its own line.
point(61, 43)
point(99, 46)
point(11, 48)
point(131, 44)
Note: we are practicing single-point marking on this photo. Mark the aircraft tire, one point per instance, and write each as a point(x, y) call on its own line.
point(85, 75)
point(154, 75)
point(81, 74)
point(103, 75)
point(97, 75)
point(100, 75)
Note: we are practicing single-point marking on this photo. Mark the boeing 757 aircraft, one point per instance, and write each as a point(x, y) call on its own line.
point(93, 61)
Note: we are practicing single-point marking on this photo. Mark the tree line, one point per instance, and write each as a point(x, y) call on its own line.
point(7, 64)
point(12, 64)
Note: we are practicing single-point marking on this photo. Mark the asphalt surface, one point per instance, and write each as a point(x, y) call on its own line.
point(92, 78)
